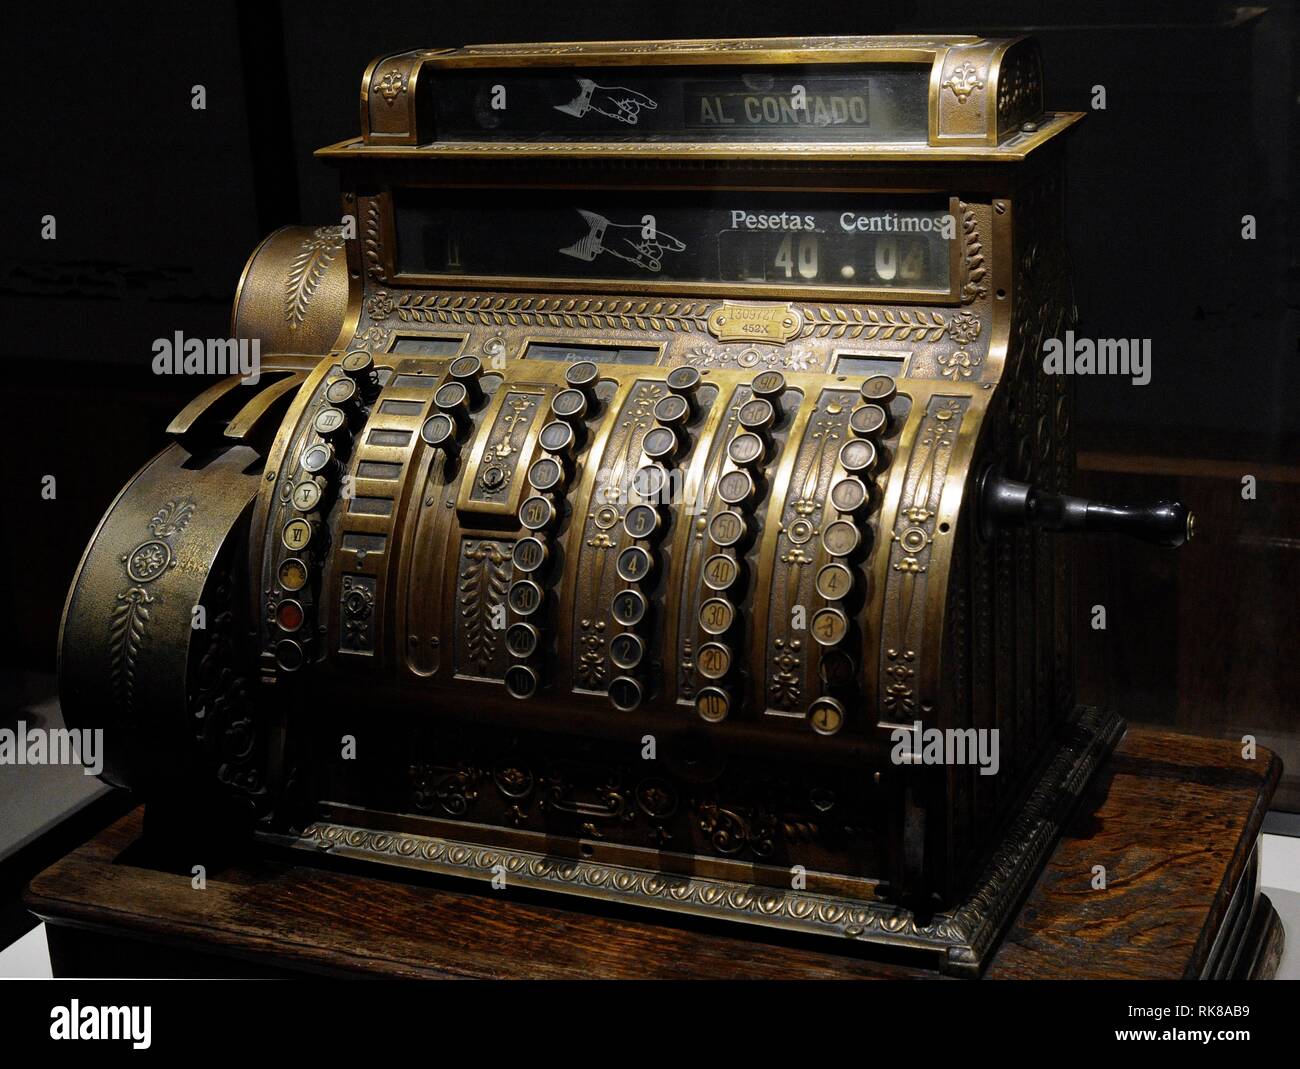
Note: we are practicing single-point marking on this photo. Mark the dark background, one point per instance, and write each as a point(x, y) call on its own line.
point(158, 206)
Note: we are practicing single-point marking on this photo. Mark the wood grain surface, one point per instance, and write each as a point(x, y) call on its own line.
point(1172, 818)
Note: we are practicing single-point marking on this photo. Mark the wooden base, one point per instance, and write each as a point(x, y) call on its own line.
point(1171, 822)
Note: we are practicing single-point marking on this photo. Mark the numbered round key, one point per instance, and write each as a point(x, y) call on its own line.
point(826, 716)
point(867, 421)
point(522, 639)
point(756, 415)
point(626, 650)
point(642, 521)
point(849, 495)
point(673, 410)
point(318, 459)
point(714, 660)
point(582, 375)
point(628, 607)
point(545, 474)
point(341, 392)
point(720, 571)
point(840, 538)
point(570, 405)
point(439, 431)
point(837, 669)
point(660, 443)
point(736, 487)
point(537, 513)
point(624, 693)
point(297, 534)
point(834, 582)
point(769, 384)
point(716, 616)
point(650, 483)
point(879, 389)
point(634, 564)
point(558, 437)
point(858, 456)
point(746, 449)
point(292, 574)
point(829, 626)
point(307, 495)
point(683, 380)
point(727, 528)
point(521, 681)
point(712, 704)
point(525, 597)
point(529, 555)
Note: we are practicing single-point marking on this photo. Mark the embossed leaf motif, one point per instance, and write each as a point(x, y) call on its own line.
point(885, 324)
point(172, 518)
point(315, 254)
point(585, 312)
point(483, 584)
point(125, 638)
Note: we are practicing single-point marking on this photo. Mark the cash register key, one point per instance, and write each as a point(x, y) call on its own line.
point(537, 513)
point(826, 715)
point(307, 494)
point(867, 421)
point(439, 431)
point(297, 534)
point(660, 443)
point(720, 571)
point(650, 482)
point(522, 640)
point(746, 450)
point(757, 415)
point(634, 564)
point(714, 660)
point(716, 616)
point(292, 574)
point(736, 487)
point(570, 405)
point(673, 410)
point(342, 392)
point(525, 597)
point(624, 693)
point(626, 650)
point(829, 626)
point(769, 384)
point(849, 495)
point(521, 681)
point(359, 366)
point(858, 456)
point(331, 424)
point(289, 655)
point(642, 521)
point(468, 371)
point(583, 376)
point(559, 438)
point(628, 607)
point(529, 555)
point(727, 528)
point(712, 704)
point(319, 459)
point(841, 538)
point(834, 581)
point(683, 380)
point(453, 398)
point(879, 390)
point(545, 474)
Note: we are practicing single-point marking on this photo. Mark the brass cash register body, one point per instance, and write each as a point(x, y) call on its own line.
point(610, 500)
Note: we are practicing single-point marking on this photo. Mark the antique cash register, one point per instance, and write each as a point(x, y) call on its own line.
point(650, 493)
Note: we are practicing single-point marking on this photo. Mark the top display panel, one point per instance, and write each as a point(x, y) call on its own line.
point(822, 102)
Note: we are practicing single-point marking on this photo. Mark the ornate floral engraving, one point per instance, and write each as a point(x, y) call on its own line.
point(484, 578)
point(391, 86)
point(898, 324)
